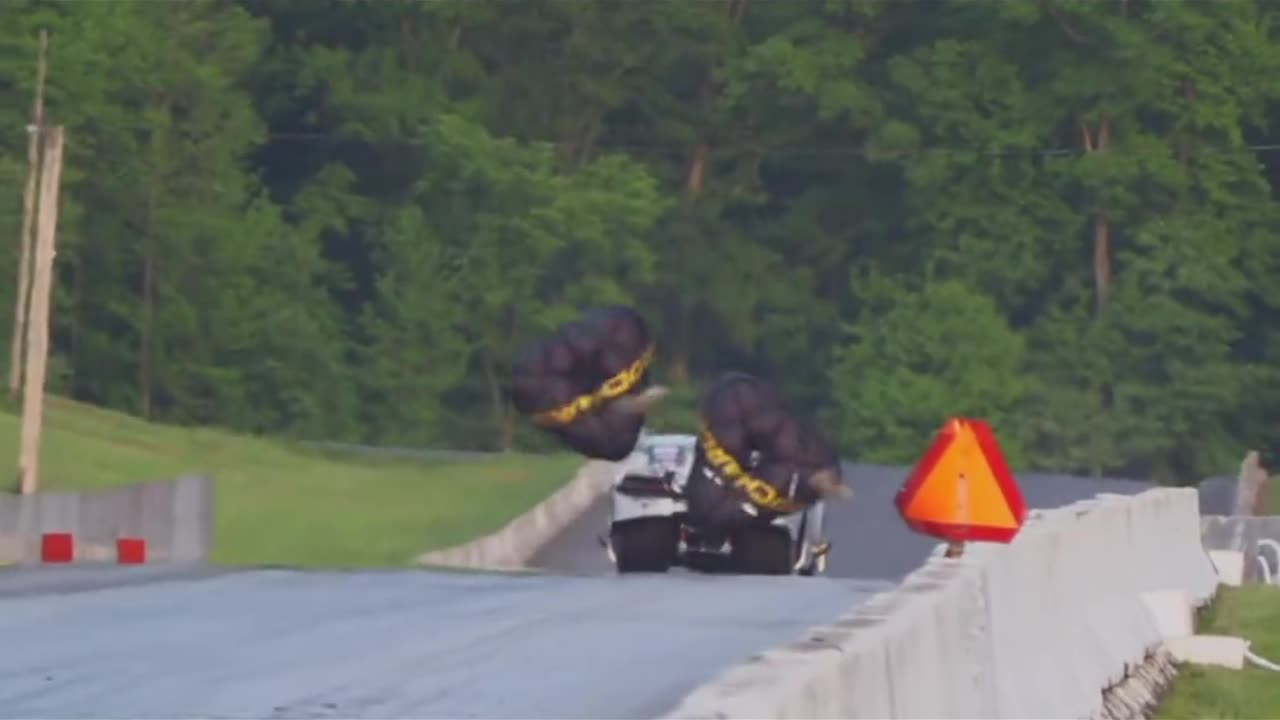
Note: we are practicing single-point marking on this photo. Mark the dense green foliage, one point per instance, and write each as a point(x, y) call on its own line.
point(338, 218)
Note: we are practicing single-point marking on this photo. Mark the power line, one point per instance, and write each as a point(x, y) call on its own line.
point(801, 150)
point(792, 150)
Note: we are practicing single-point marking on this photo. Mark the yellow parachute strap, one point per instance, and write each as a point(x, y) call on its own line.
point(618, 385)
point(758, 491)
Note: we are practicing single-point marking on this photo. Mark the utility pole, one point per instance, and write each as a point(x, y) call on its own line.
point(28, 215)
point(38, 318)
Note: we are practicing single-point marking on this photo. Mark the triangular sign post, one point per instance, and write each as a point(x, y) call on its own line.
point(962, 490)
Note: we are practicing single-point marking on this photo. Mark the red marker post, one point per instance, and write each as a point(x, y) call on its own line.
point(58, 547)
point(131, 551)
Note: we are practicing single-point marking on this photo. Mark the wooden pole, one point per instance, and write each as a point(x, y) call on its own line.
point(38, 320)
point(1249, 484)
point(28, 215)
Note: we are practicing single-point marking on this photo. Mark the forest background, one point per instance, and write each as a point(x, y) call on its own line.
point(339, 219)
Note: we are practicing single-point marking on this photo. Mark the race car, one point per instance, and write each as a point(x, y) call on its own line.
point(649, 530)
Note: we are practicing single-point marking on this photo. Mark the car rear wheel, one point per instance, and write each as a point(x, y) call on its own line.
point(644, 545)
point(762, 551)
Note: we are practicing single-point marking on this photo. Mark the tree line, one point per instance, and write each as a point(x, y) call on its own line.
point(339, 219)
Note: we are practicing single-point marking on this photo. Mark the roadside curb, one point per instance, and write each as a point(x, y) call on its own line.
point(512, 546)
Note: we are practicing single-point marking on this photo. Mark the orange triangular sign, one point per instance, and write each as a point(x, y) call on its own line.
point(961, 489)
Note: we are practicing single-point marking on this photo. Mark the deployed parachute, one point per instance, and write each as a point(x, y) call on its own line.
point(588, 383)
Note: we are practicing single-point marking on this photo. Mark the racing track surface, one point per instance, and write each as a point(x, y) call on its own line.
point(868, 538)
point(109, 642)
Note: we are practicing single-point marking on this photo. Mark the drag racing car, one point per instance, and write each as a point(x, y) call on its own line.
point(649, 530)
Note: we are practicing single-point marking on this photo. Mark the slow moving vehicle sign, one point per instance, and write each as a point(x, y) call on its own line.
point(962, 490)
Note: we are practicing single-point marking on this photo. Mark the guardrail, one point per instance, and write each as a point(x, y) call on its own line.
point(1233, 519)
point(387, 451)
point(173, 517)
point(1251, 536)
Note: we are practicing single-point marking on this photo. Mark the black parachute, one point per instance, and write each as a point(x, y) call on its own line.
point(586, 384)
point(754, 450)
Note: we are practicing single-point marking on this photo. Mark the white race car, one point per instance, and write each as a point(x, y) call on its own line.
point(649, 530)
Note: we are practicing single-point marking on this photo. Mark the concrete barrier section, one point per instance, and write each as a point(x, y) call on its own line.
point(1043, 627)
point(511, 547)
point(173, 517)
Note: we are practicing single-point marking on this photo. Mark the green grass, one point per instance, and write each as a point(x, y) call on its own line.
point(283, 505)
point(1273, 496)
point(1253, 613)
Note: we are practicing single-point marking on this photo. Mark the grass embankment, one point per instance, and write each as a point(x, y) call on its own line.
point(1253, 613)
point(283, 505)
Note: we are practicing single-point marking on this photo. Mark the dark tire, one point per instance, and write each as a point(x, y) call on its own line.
point(646, 545)
point(762, 551)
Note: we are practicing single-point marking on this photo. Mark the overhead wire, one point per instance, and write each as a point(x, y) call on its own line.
point(808, 149)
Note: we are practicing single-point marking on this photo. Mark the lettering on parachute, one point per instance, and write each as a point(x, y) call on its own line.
point(619, 384)
point(760, 492)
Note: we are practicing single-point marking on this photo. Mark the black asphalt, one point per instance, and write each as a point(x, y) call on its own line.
point(869, 539)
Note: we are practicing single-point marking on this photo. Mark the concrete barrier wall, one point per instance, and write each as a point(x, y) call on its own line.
point(511, 546)
point(1035, 629)
point(175, 517)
